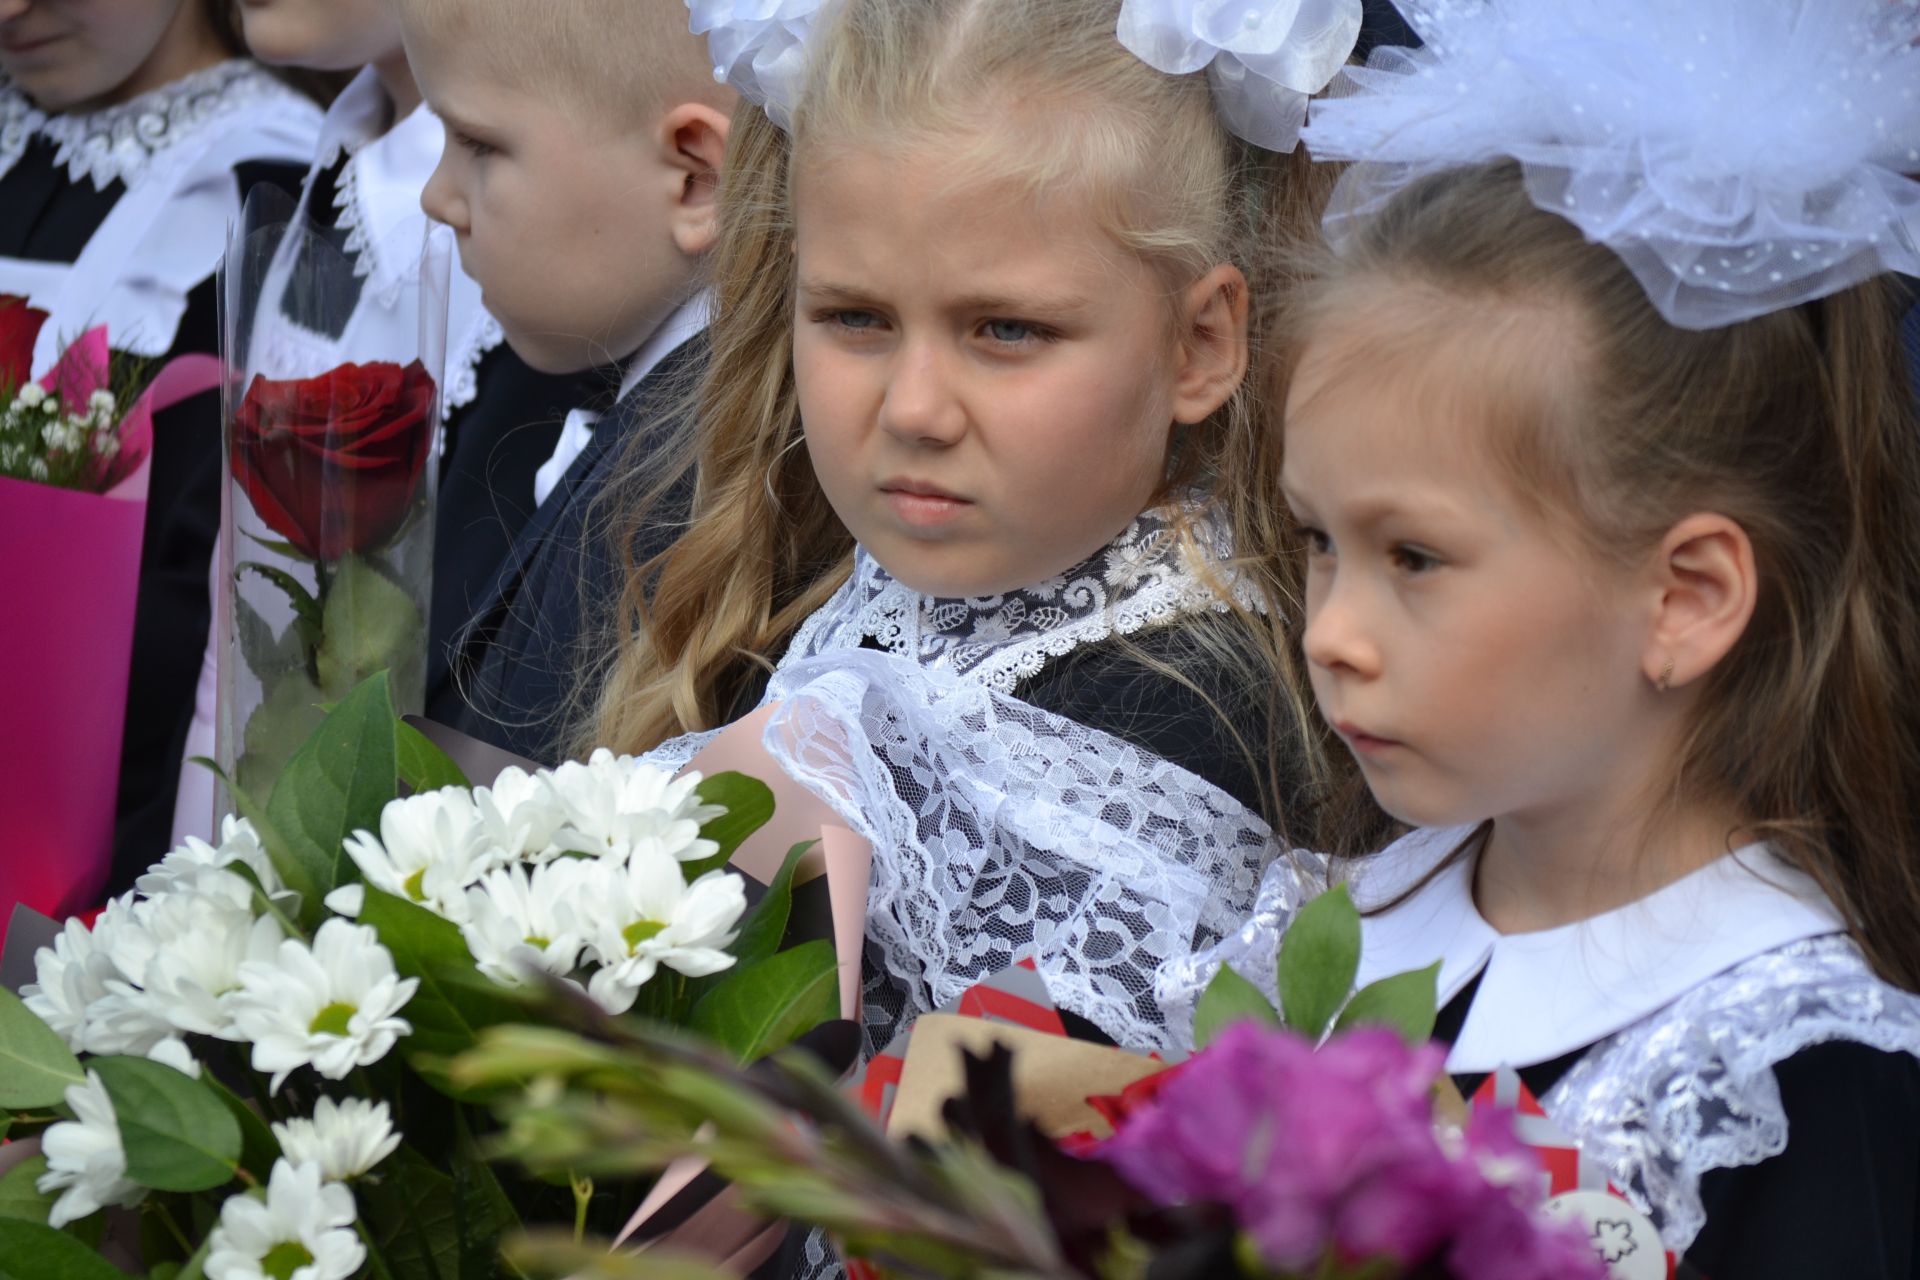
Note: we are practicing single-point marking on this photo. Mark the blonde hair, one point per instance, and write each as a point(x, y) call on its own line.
point(765, 549)
point(1798, 425)
point(621, 60)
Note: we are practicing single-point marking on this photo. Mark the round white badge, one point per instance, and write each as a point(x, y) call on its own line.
point(1621, 1235)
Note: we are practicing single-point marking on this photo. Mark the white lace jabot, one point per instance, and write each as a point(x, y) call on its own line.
point(1142, 578)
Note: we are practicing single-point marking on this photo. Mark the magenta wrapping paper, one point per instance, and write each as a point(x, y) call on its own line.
point(69, 572)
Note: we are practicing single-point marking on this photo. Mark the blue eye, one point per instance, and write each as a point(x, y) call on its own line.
point(860, 320)
point(1010, 332)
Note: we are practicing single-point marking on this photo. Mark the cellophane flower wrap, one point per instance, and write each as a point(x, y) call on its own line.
point(74, 444)
point(239, 1069)
point(327, 533)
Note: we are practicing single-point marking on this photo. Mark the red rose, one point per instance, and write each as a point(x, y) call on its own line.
point(19, 330)
point(332, 463)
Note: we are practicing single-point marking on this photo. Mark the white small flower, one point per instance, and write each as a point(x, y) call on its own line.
point(653, 917)
point(344, 1138)
point(519, 917)
point(106, 444)
point(37, 468)
point(331, 1007)
point(303, 1230)
point(520, 812)
point(200, 942)
point(184, 868)
point(616, 805)
point(31, 396)
point(102, 404)
point(430, 848)
point(85, 1161)
point(71, 977)
point(173, 1052)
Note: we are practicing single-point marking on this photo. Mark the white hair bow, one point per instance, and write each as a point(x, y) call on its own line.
point(1741, 156)
point(758, 47)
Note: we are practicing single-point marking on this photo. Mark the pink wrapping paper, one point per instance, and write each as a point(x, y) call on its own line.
point(69, 573)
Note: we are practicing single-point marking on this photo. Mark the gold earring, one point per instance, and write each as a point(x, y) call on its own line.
point(1664, 681)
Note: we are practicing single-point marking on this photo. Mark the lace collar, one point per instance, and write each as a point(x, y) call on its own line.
point(123, 143)
point(1142, 578)
point(1548, 993)
point(377, 197)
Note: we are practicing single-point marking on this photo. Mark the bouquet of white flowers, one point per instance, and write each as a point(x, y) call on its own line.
point(248, 1048)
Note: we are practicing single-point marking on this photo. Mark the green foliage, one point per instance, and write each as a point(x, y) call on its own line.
point(428, 1223)
point(336, 784)
point(765, 1006)
point(368, 624)
point(35, 1064)
point(1319, 956)
point(306, 608)
point(749, 804)
point(447, 1011)
point(766, 924)
point(20, 1199)
point(1405, 1002)
point(258, 1147)
point(1228, 999)
point(34, 1251)
point(423, 766)
point(178, 1134)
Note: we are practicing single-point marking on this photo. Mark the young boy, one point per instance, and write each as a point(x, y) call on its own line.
point(585, 144)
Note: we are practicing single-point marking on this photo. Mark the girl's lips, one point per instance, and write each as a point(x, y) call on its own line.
point(1362, 742)
point(924, 510)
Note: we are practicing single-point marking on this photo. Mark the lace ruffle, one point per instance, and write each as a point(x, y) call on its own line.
point(1253, 950)
point(1143, 578)
point(124, 143)
point(1691, 1089)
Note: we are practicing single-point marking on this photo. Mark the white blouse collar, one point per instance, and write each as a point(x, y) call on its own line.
point(377, 198)
point(1142, 578)
point(121, 143)
point(1549, 993)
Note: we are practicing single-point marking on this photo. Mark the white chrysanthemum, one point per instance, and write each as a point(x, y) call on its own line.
point(72, 976)
point(344, 1138)
point(653, 917)
point(523, 916)
point(186, 868)
point(520, 812)
point(331, 1007)
point(33, 395)
point(85, 1161)
point(430, 848)
point(122, 1019)
point(303, 1230)
point(200, 942)
point(617, 805)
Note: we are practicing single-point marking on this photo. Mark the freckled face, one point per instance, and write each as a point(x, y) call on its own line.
point(1476, 665)
point(984, 378)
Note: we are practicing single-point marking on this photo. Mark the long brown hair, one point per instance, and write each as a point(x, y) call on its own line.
point(1800, 426)
point(764, 548)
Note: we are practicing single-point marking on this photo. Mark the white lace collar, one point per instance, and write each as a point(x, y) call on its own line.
point(1551, 992)
point(377, 198)
point(123, 143)
point(1142, 578)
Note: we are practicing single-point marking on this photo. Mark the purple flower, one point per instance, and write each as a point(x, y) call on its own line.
point(1333, 1152)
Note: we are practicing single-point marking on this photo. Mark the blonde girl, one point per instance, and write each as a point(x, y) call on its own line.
point(1609, 480)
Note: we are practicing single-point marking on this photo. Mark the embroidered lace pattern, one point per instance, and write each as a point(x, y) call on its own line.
point(1142, 578)
point(1691, 1088)
point(124, 143)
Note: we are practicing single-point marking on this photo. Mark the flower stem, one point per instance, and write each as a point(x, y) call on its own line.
point(173, 1228)
point(582, 1197)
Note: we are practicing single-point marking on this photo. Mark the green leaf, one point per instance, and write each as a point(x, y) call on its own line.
point(423, 766)
point(33, 1251)
point(1406, 1002)
point(414, 1221)
point(287, 716)
point(267, 655)
point(177, 1133)
point(258, 1147)
point(766, 925)
point(195, 1268)
point(306, 609)
point(749, 803)
point(446, 1011)
point(1228, 999)
point(1319, 956)
point(335, 785)
point(293, 871)
point(369, 624)
point(763, 1007)
point(20, 1200)
point(35, 1064)
point(280, 547)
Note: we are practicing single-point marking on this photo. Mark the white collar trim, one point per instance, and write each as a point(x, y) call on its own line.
point(1548, 993)
point(121, 143)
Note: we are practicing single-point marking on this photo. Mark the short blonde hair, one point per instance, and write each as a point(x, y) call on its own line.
point(624, 59)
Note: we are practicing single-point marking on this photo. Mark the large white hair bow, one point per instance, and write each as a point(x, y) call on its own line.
point(758, 47)
point(1265, 58)
point(1742, 156)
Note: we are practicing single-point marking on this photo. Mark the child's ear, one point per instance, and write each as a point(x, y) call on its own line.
point(1708, 587)
point(1213, 352)
point(692, 138)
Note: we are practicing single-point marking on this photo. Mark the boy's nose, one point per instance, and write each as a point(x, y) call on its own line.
point(1336, 638)
point(440, 199)
point(920, 406)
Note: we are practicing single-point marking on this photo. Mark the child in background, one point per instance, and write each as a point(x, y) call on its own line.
point(130, 134)
point(362, 192)
point(1612, 513)
point(588, 141)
